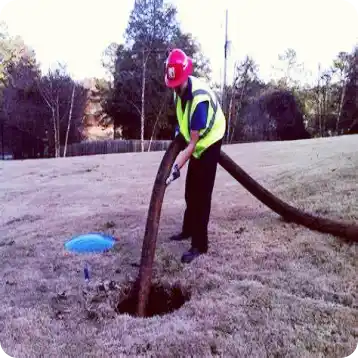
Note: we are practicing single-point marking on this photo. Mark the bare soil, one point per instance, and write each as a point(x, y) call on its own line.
point(266, 287)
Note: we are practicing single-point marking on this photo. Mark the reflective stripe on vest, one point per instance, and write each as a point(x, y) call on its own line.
point(213, 105)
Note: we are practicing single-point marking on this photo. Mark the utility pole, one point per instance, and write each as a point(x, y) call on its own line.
point(225, 47)
point(2, 139)
point(224, 97)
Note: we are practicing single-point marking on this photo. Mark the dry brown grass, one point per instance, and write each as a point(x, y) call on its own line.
point(266, 287)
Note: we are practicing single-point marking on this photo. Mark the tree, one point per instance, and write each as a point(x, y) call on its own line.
point(65, 101)
point(289, 69)
point(12, 51)
point(122, 99)
point(322, 97)
point(341, 70)
point(349, 114)
point(151, 24)
point(18, 65)
point(138, 101)
point(109, 59)
point(69, 118)
point(21, 110)
point(245, 72)
point(282, 106)
point(19, 102)
point(38, 106)
point(325, 100)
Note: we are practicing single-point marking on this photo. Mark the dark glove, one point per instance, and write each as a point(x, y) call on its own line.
point(174, 174)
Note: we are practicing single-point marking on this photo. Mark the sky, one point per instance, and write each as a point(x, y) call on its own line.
point(76, 32)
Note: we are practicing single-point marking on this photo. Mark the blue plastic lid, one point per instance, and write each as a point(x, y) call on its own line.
point(90, 243)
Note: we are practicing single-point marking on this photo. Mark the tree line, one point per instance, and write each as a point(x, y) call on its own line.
point(50, 109)
point(36, 110)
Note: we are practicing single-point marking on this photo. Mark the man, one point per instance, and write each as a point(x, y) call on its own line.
point(202, 124)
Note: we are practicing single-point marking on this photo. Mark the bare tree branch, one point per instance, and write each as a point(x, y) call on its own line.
point(69, 119)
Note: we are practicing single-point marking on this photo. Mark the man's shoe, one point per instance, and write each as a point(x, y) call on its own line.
point(179, 237)
point(190, 255)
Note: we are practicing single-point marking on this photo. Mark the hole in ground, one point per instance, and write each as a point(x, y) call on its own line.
point(162, 300)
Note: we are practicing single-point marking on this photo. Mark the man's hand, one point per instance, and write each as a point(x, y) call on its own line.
point(185, 154)
point(174, 174)
point(183, 157)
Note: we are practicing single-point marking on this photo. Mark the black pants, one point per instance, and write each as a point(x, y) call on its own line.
point(199, 186)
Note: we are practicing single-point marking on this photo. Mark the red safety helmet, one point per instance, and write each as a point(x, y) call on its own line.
point(178, 68)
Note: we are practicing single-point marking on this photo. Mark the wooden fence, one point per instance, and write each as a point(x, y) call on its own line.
point(113, 146)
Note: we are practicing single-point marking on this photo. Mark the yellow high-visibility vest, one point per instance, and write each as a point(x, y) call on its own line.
point(215, 124)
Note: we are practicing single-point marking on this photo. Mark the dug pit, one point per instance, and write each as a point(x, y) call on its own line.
point(162, 300)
